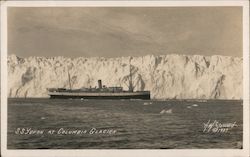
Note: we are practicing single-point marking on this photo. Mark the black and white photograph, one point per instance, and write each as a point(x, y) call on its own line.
point(123, 77)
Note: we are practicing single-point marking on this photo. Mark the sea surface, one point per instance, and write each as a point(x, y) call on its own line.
point(118, 124)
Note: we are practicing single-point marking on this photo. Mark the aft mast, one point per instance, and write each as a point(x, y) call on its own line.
point(69, 80)
point(130, 87)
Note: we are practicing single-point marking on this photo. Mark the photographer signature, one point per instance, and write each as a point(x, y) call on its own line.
point(217, 127)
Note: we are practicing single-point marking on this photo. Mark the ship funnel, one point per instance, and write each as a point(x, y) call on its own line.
point(100, 84)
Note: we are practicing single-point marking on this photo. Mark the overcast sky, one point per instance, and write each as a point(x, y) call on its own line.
point(124, 31)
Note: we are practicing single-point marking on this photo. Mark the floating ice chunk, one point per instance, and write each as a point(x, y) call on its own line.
point(195, 105)
point(189, 107)
point(162, 111)
point(43, 118)
point(169, 111)
point(166, 111)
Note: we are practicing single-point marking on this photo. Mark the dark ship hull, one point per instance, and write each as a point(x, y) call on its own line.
point(145, 95)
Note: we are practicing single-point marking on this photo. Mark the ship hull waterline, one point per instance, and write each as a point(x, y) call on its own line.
point(144, 96)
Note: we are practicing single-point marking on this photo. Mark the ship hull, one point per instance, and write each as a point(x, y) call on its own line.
point(128, 95)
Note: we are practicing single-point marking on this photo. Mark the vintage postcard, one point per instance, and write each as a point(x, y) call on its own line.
point(124, 78)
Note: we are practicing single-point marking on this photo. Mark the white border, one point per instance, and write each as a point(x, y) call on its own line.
point(115, 152)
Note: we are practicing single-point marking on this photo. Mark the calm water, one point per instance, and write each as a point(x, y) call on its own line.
point(131, 124)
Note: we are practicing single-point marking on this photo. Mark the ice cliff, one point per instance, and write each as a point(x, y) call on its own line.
point(166, 76)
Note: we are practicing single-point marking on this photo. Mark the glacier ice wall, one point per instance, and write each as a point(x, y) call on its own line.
point(166, 76)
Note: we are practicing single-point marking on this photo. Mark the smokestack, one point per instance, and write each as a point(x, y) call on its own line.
point(100, 84)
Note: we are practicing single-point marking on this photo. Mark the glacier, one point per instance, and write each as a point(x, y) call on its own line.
point(166, 76)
